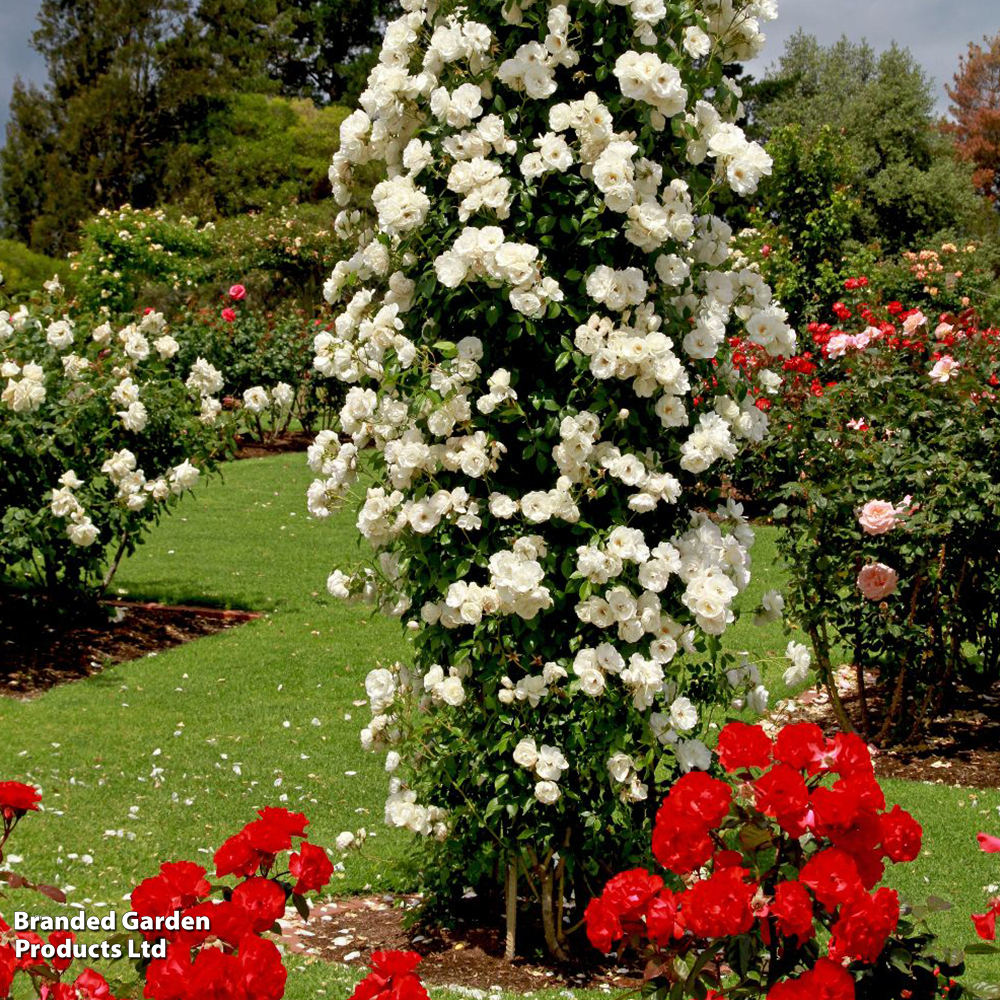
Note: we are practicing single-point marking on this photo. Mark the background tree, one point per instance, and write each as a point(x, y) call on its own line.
point(153, 101)
point(124, 80)
point(975, 97)
point(318, 49)
point(881, 106)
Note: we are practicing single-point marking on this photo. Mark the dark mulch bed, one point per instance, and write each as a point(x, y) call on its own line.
point(471, 955)
point(294, 441)
point(37, 654)
point(961, 747)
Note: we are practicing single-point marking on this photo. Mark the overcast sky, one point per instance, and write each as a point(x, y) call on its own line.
point(936, 31)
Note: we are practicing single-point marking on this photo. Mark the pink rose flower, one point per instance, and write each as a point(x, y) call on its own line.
point(913, 323)
point(944, 369)
point(837, 345)
point(877, 581)
point(877, 517)
point(237, 293)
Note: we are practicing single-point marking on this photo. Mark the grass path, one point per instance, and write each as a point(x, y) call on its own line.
point(164, 757)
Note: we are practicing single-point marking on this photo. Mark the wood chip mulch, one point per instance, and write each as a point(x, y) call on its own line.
point(470, 956)
point(37, 654)
point(960, 748)
point(295, 441)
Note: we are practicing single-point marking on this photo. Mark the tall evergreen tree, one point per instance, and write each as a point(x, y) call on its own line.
point(125, 77)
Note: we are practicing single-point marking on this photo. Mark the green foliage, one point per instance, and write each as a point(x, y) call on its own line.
point(808, 217)
point(124, 251)
point(261, 348)
point(880, 107)
point(142, 257)
point(258, 152)
point(24, 270)
point(156, 101)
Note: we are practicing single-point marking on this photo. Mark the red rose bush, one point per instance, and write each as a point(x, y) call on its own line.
point(227, 956)
point(883, 484)
point(772, 876)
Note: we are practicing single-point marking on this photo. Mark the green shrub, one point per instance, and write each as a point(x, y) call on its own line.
point(24, 270)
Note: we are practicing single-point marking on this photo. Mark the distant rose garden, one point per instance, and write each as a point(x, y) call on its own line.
point(583, 423)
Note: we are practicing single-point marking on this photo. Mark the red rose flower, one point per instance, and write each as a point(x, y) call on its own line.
point(986, 923)
point(90, 985)
point(824, 981)
point(237, 293)
point(705, 798)
point(743, 746)
point(16, 799)
point(179, 885)
point(290, 823)
point(56, 938)
point(850, 755)
point(262, 900)
point(833, 877)
point(628, 892)
point(680, 843)
point(835, 808)
point(237, 857)
point(901, 835)
point(215, 975)
point(793, 909)
point(726, 859)
point(229, 315)
point(719, 906)
point(166, 978)
point(603, 926)
point(662, 924)
point(782, 793)
point(864, 926)
point(26, 961)
point(311, 867)
point(227, 922)
point(8, 966)
point(264, 973)
point(991, 845)
point(392, 977)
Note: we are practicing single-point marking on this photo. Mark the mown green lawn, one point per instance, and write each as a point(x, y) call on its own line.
point(164, 757)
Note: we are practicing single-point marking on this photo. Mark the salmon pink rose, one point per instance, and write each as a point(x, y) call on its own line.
point(877, 581)
point(944, 369)
point(877, 517)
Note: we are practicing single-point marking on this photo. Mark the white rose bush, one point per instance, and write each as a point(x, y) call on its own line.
point(540, 405)
point(100, 433)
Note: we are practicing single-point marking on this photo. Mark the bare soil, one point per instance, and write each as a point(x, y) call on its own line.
point(960, 747)
point(294, 441)
point(37, 653)
point(470, 955)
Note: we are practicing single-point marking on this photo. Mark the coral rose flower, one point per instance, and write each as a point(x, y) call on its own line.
point(877, 581)
point(877, 517)
point(944, 369)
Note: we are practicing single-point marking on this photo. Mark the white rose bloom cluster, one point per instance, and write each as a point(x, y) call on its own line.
point(801, 659)
point(98, 382)
point(25, 390)
point(547, 763)
point(534, 335)
point(277, 401)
